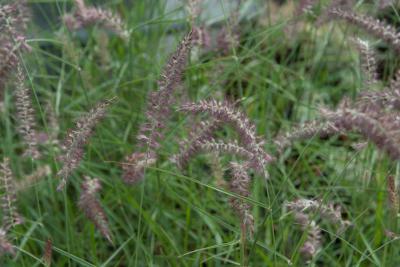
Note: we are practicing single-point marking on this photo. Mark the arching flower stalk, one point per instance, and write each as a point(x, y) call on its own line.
point(231, 148)
point(85, 16)
point(91, 206)
point(311, 129)
point(367, 126)
point(377, 101)
point(159, 108)
point(77, 138)
point(371, 25)
point(227, 114)
point(26, 115)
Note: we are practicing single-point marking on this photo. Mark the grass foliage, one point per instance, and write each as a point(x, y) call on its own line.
point(175, 218)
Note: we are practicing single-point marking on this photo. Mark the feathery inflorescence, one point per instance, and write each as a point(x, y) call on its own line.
point(231, 148)
point(326, 211)
point(312, 245)
point(76, 139)
point(135, 166)
point(301, 208)
point(240, 184)
point(160, 102)
point(304, 6)
point(6, 247)
point(88, 16)
point(26, 115)
point(91, 206)
point(158, 111)
point(393, 194)
point(48, 251)
point(306, 131)
point(53, 125)
point(10, 215)
point(368, 61)
point(371, 25)
point(228, 38)
point(367, 126)
point(377, 101)
point(193, 8)
point(227, 114)
point(13, 24)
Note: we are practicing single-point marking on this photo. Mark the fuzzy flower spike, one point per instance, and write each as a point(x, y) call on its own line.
point(373, 26)
point(13, 23)
point(26, 115)
point(240, 184)
point(91, 206)
point(11, 217)
point(159, 108)
point(73, 148)
point(227, 114)
point(87, 16)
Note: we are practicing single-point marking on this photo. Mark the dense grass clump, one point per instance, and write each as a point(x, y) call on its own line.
point(199, 133)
